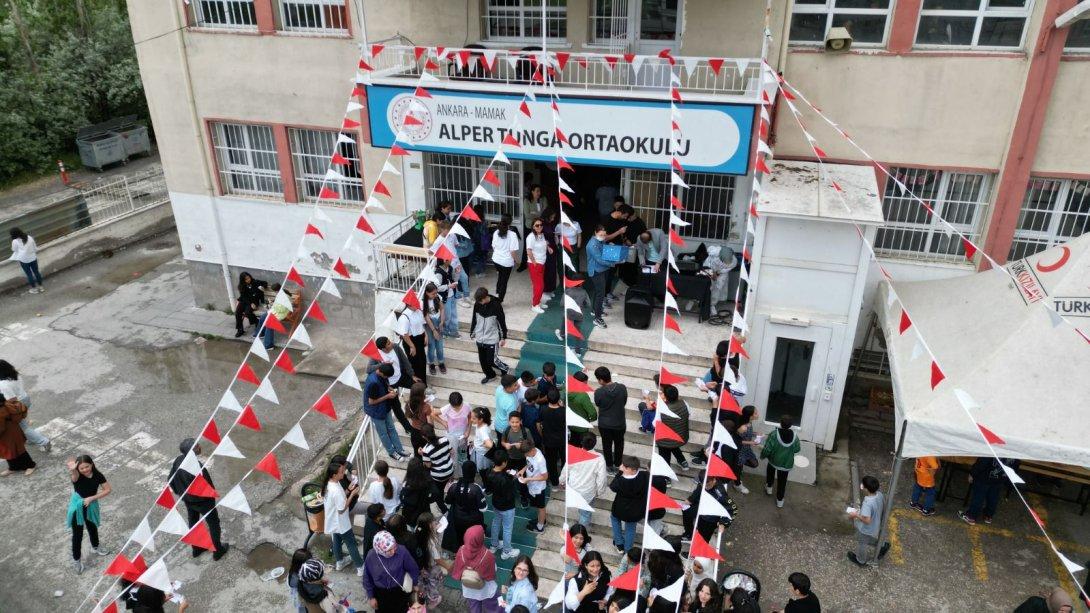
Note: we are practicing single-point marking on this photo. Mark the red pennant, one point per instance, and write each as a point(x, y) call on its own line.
point(762, 129)
point(628, 57)
point(376, 49)
point(201, 488)
point(398, 150)
point(569, 547)
point(314, 311)
point(565, 243)
point(248, 418)
point(818, 151)
point(247, 374)
point(312, 229)
point(349, 124)
point(112, 607)
point(611, 60)
point(119, 566)
point(411, 120)
point(198, 536)
point(787, 94)
point(660, 500)
point(670, 286)
point(575, 385)
point(430, 65)
point(295, 277)
point(573, 330)
point(668, 378)
point(490, 177)
point(439, 51)
point(675, 94)
point(463, 55)
point(990, 436)
point(338, 159)
point(211, 432)
point(283, 362)
point(700, 548)
point(736, 347)
point(272, 322)
point(676, 164)
point(363, 65)
point(572, 282)
point(675, 126)
point(419, 52)
point(562, 59)
point(727, 402)
point(718, 468)
point(761, 166)
point(676, 203)
point(269, 466)
point(410, 298)
point(1037, 518)
point(716, 64)
point(371, 350)
point(560, 135)
point(565, 199)
point(421, 93)
point(537, 78)
point(578, 454)
point(936, 375)
point(905, 322)
point(509, 140)
point(444, 253)
point(165, 499)
point(753, 209)
point(470, 214)
point(341, 269)
point(672, 324)
point(666, 433)
point(358, 92)
point(676, 239)
point(630, 581)
point(562, 163)
point(746, 255)
point(380, 188)
point(970, 249)
point(325, 407)
point(525, 108)
point(837, 187)
point(363, 224)
point(582, 61)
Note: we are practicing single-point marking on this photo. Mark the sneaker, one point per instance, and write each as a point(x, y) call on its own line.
point(487, 380)
point(601, 323)
point(533, 527)
point(684, 464)
point(198, 552)
point(34, 290)
point(965, 518)
point(913, 505)
point(699, 460)
point(644, 430)
point(218, 555)
point(779, 504)
point(537, 309)
point(987, 519)
point(361, 571)
point(443, 369)
point(466, 302)
point(41, 289)
point(559, 336)
point(77, 564)
point(396, 458)
point(47, 447)
point(927, 512)
point(742, 488)
point(509, 554)
point(855, 560)
point(620, 548)
point(100, 550)
point(343, 562)
point(768, 490)
point(239, 333)
point(431, 369)
point(547, 296)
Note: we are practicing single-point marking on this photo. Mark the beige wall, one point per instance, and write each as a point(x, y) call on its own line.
point(729, 28)
point(1065, 140)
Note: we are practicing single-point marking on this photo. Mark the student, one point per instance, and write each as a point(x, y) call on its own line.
point(12, 439)
point(430, 230)
point(581, 404)
point(587, 478)
point(647, 408)
point(426, 539)
point(533, 477)
point(747, 439)
point(505, 249)
point(630, 500)
point(514, 441)
point(435, 319)
point(500, 481)
point(376, 512)
point(384, 571)
point(926, 467)
point(403, 376)
point(88, 487)
point(679, 424)
point(611, 398)
point(384, 488)
point(338, 523)
point(489, 329)
point(629, 560)
point(586, 591)
point(467, 506)
point(707, 524)
point(1055, 600)
point(706, 598)
point(531, 411)
point(377, 397)
point(475, 568)
point(553, 420)
point(580, 539)
point(522, 591)
point(548, 381)
point(986, 478)
point(297, 559)
point(419, 412)
point(803, 600)
point(12, 387)
point(410, 327)
point(251, 296)
point(25, 251)
point(455, 418)
point(537, 249)
point(506, 401)
point(416, 495)
point(780, 448)
point(598, 271)
point(198, 508)
point(868, 522)
point(480, 422)
point(313, 588)
point(527, 380)
point(439, 459)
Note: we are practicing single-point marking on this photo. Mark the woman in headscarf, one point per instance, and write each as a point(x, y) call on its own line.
point(386, 570)
point(314, 594)
point(475, 567)
point(467, 504)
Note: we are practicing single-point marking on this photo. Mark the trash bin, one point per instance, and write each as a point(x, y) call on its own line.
point(314, 509)
point(98, 149)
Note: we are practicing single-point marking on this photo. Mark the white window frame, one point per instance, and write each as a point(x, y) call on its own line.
point(710, 198)
point(525, 13)
point(311, 151)
point(239, 162)
point(314, 12)
point(233, 17)
point(983, 11)
point(939, 245)
point(1063, 192)
point(620, 25)
point(830, 10)
point(1081, 50)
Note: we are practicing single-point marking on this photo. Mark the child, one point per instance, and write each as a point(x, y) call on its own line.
point(514, 442)
point(581, 540)
point(455, 418)
point(418, 605)
point(504, 489)
point(507, 401)
point(548, 378)
point(480, 421)
point(531, 413)
point(527, 380)
point(647, 409)
point(629, 560)
point(533, 477)
point(581, 404)
point(926, 467)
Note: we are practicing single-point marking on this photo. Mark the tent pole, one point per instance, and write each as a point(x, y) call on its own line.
point(897, 459)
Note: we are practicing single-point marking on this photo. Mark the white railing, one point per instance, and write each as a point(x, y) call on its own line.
point(365, 448)
point(398, 266)
point(582, 71)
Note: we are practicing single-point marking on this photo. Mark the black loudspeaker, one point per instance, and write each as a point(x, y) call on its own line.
point(638, 305)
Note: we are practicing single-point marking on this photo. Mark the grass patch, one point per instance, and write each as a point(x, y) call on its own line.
point(71, 162)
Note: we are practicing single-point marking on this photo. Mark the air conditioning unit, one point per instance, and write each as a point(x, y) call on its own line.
point(838, 40)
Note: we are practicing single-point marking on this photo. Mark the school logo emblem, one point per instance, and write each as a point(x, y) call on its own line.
point(412, 115)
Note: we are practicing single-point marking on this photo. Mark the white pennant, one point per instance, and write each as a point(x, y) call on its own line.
point(710, 506)
point(739, 322)
point(173, 523)
point(329, 287)
point(229, 402)
point(756, 186)
point(266, 391)
point(675, 179)
point(190, 464)
point(677, 221)
point(637, 62)
point(489, 58)
point(572, 357)
point(482, 194)
point(608, 66)
point(764, 115)
point(742, 64)
point(891, 296)
point(664, 411)
point(236, 500)
point(669, 300)
point(512, 60)
point(631, 608)
point(557, 595)
point(501, 157)
point(965, 399)
point(675, 114)
point(374, 203)
point(564, 218)
point(349, 378)
point(762, 147)
point(567, 261)
point(652, 540)
point(295, 437)
point(156, 576)
point(459, 230)
point(661, 467)
point(258, 348)
point(571, 304)
point(1013, 476)
point(363, 78)
point(749, 226)
point(353, 106)
point(227, 449)
point(344, 138)
point(917, 350)
point(575, 421)
point(143, 535)
point(388, 167)
point(1068, 564)
point(675, 80)
point(319, 214)
point(690, 64)
point(302, 335)
point(743, 272)
point(564, 186)
point(575, 500)
point(721, 436)
point(672, 592)
point(333, 175)
point(427, 77)
point(673, 260)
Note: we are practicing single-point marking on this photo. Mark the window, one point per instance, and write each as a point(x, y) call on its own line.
point(709, 196)
point(310, 154)
point(233, 14)
point(315, 16)
point(609, 22)
point(1078, 37)
point(865, 19)
point(912, 232)
point(985, 24)
point(1054, 211)
point(246, 158)
point(520, 20)
point(453, 177)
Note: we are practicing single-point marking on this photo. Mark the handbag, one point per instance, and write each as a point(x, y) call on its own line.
point(406, 581)
point(471, 578)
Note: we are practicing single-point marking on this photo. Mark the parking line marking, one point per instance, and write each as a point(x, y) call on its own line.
point(980, 563)
point(896, 552)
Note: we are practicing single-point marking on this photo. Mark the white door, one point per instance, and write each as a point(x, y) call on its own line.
point(792, 375)
point(657, 23)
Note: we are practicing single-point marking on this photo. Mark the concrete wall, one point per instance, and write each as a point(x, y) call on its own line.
point(1065, 140)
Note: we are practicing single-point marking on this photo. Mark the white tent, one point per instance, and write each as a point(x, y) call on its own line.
point(1025, 372)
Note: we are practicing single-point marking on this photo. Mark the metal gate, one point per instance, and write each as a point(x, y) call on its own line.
point(453, 177)
point(710, 197)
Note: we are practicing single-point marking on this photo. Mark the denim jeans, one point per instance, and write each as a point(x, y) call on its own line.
point(584, 517)
point(33, 276)
point(477, 455)
point(463, 283)
point(598, 291)
point(629, 536)
point(435, 344)
point(347, 538)
point(387, 433)
point(450, 328)
point(984, 497)
point(33, 437)
point(928, 494)
point(507, 519)
point(268, 337)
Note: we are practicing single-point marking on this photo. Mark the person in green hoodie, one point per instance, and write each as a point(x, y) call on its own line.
point(780, 448)
point(581, 404)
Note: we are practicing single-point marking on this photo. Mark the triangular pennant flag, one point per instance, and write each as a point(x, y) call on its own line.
point(509, 140)
point(675, 179)
point(666, 433)
point(458, 230)
point(201, 488)
point(348, 377)
point(324, 405)
point(738, 322)
point(574, 420)
point(677, 221)
point(636, 62)
point(249, 419)
point(670, 302)
point(143, 535)
point(387, 167)
point(272, 322)
point(660, 500)
point(735, 347)
point(349, 124)
point(611, 61)
point(716, 64)
point(156, 577)
point(572, 358)
point(1013, 476)
point(905, 322)
point(652, 540)
point(569, 283)
point(970, 249)
point(557, 595)
point(236, 500)
point(501, 157)
point(230, 402)
point(370, 350)
point(1036, 518)
point(524, 108)
point(340, 269)
point(199, 536)
point(718, 468)
point(660, 467)
point(575, 385)
point(421, 92)
point(690, 64)
point(211, 432)
point(562, 163)
point(269, 466)
point(247, 374)
point(470, 214)
point(119, 566)
point(329, 287)
point(629, 581)
point(295, 437)
point(936, 374)
point(700, 548)
point(710, 506)
point(567, 261)
point(302, 336)
point(173, 523)
point(670, 286)
point(166, 498)
point(482, 194)
point(266, 391)
point(662, 410)
point(411, 299)
point(444, 253)
point(990, 436)
point(397, 150)
point(762, 166)
point(917, 349)
point(721, 436)
point(257, 348)
point(575, 500)
point(578, 454)
point(227, 449)
point(676, 203)
point(671, 348)
point(965, 399)
point(727, 402)
point(668, 378)
point(571, 305)
point(572, 329)
point(1068, 564)
point(490, 177)
point(1056, 318)
point(673, 591)
point(190, 464)
point(569, 547)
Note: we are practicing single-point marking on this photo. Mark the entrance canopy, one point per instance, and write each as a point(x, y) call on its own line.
point(1024, 369)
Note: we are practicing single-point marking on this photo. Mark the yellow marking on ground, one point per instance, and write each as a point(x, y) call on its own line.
point(896, 552)
point(1064, 545)
point(980, 563)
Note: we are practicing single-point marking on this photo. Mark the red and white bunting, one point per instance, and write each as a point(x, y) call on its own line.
point(266, 391)
point(575, 500)
point(227, 449)
point(156, 576)
point(230, 402)
point(295, 437)
point(349, 378)
point(173, 523)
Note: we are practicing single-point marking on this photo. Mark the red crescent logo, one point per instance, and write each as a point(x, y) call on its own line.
point(1057, 264)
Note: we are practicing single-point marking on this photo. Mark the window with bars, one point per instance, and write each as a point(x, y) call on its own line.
point(453, 177)
point(228, 14)
point(1053, 212)
point(246, 160)
point(866, 20)
point(982, 24)
point(520, 20)
point(912, 232)
point(609, 22)
point(311, 151)
point(1078, 37)
point(709, 199)
point(314, 16)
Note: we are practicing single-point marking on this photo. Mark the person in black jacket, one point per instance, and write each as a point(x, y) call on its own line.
point(708, 523)
point(986, 479)
point(489, 329)
point(611, 398)
point(467, 504)
point(197, 507)
point(505, 490)
point(250, 297)
point(629, 502)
